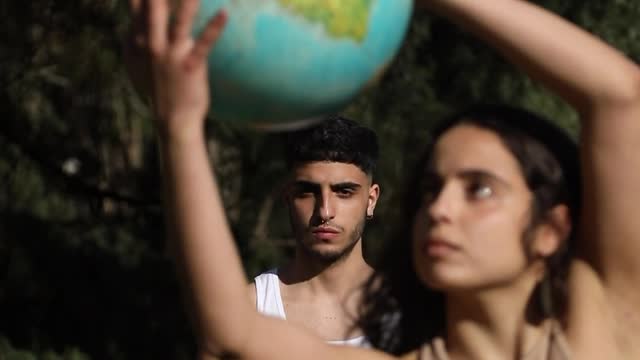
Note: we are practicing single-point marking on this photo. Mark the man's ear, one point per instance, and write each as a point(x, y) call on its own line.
point(553, 232)
point(374, 194)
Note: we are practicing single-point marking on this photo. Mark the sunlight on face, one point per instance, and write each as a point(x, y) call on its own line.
point(468, 232)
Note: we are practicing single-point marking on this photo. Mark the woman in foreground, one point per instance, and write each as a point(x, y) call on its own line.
point(497, 217)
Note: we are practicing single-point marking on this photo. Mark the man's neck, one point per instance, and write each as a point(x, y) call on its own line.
point(312, 277)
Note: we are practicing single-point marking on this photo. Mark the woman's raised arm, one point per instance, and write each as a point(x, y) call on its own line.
point(169, 63)
point(604, 88)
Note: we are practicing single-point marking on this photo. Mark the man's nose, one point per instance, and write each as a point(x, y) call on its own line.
point(326, 208)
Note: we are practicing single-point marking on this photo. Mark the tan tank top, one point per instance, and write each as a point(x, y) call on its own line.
point(552, 346)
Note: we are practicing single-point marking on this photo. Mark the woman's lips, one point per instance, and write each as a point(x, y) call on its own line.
point(437, 247)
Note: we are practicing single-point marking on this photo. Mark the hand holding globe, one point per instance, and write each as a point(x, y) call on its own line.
point(167, 64)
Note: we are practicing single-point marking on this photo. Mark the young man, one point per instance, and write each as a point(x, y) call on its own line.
point(330, 194)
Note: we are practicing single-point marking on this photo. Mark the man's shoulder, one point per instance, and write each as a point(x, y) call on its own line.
point(266, 274)
point(259, 281)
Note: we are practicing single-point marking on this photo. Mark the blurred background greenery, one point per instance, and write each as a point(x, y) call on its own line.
point(83, 269)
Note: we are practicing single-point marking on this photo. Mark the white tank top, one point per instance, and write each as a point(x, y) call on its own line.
point(269, 302)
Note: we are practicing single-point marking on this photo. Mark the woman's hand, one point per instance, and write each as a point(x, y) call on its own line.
point(169, 65)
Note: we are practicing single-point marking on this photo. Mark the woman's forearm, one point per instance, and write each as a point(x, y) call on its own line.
point(577, 66)
point(203, 244)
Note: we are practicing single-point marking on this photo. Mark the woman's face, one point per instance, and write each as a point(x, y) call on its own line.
point(468, 233)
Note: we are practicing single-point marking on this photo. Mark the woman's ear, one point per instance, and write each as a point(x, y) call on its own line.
point(553, 232)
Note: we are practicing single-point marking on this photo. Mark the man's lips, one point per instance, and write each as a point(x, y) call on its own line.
point(325, 232)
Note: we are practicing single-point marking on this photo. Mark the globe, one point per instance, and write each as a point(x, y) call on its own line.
point(284, 63)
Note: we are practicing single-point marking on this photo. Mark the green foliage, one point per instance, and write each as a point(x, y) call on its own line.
point(84, 272)
point(7, 352)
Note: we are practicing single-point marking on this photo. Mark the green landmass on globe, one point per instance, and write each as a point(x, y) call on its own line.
point(340, 18)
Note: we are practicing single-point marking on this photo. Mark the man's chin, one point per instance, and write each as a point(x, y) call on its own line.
point(325, 251)
point(326, 255)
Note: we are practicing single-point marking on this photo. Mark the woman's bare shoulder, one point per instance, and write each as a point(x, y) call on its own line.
point(600, 323)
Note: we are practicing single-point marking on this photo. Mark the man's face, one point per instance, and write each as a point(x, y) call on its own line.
point(328, 204)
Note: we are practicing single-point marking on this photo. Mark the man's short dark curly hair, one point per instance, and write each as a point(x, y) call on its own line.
point(336, 139)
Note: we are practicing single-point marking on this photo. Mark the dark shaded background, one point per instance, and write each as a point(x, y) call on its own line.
point(83, 269)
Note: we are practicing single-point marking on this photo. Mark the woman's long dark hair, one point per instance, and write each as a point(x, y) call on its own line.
point(399, 312)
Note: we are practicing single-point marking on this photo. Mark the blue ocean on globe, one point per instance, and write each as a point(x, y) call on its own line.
point(285, 62)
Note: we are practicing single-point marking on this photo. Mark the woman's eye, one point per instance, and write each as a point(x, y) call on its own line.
point(480, 191)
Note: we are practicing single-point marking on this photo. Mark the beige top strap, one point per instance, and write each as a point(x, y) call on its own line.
point(435, 350)
point(552, 346)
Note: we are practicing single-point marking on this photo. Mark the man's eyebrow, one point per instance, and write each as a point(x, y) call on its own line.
point(346, 185)
point(305, 184)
